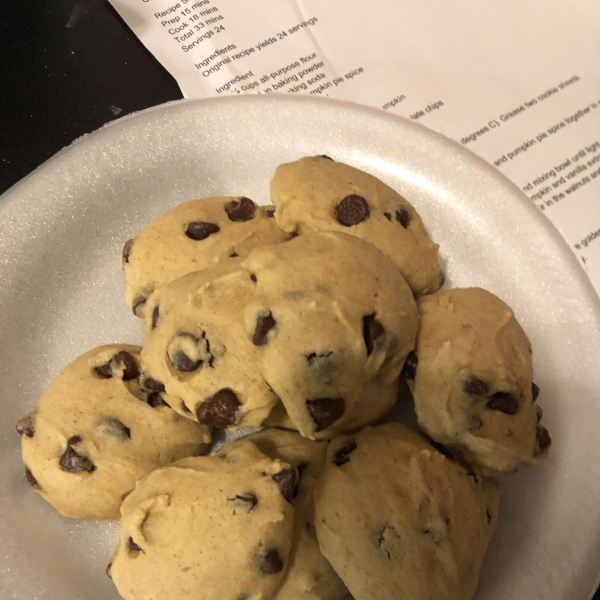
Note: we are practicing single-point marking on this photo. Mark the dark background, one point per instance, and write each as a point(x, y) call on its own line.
point(66, 68)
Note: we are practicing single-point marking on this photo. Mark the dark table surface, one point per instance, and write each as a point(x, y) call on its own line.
point(66, 68)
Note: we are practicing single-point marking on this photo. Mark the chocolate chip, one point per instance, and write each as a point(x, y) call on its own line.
point(409, 370)
point(26, 427)
point(325, 411)
point(138, 306)
point(184, 352)
point(264, 324)
point(200, 230)
point(539, 413)
point(182, 362)
point(240, 210)
point(108, 567)
point(352, 210)
point(219, 410)
point(300, 468)
point(152, 384)
point(32, 480)
point(342, 456)
point(373, 331)
point(120, 362)
point(155, 399)
point(543, 440)
point(115, 428)
point(155, 315)
point(476, 387)
point(535, 391)
point(104, 371)
point(253, 277)
point(133, 546)
point(403, 217)
point(504, 402)
point(248, 500)
point(286, 480)
point(128, 363)
point(271, 562)
point(326, 157)
point(475, 423)
point(127, 251)
point(73, 462)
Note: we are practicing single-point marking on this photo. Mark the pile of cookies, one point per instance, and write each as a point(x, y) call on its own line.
point(300, 318)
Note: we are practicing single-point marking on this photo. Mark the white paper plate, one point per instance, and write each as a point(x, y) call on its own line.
point(61, 293)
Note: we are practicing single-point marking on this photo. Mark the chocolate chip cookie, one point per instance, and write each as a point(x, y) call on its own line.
point(398, 520)
point(473, 384)
point(316, 193)
point(207, 527)
point(198, 351)
point(309, 576)
point(330, 313)
point(191, 237)
point(95, 432)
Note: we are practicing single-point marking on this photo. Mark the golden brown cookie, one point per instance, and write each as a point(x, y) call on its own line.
point(191, 237)
point(95, 432)
point(316, 193)
point(330, 313)
point(398, 520)
point(209, 527)
point(309, 576)
point(473, 387)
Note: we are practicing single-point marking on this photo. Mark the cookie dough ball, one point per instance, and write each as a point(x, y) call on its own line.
point(309, 575)
point(198, 351)
point(473, 388)
point(208, 527)
point(330, 313)
point(316, 193)
point(399, 521)
point(95, 432)
point(191, 237)
point(375, 401)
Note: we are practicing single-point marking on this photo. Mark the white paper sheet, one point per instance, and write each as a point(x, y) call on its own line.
point(515, 81)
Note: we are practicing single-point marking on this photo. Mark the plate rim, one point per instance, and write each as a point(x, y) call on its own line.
point(300, 99)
